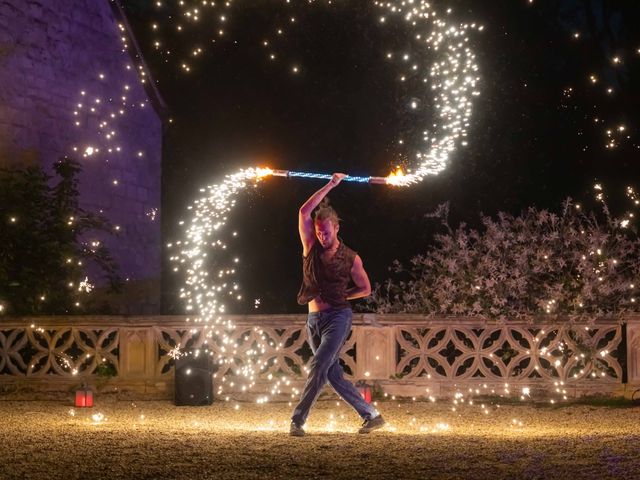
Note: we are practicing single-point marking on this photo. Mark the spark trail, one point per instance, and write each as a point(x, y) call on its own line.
point(203, 255)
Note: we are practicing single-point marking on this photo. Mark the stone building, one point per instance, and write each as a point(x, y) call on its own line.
point(73, 83)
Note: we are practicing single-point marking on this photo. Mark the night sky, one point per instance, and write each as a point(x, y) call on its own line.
point(532, 141)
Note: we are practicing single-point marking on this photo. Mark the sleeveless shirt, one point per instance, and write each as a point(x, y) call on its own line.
point(328, 280)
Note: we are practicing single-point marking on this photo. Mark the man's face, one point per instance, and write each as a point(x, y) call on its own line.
point(326, 232)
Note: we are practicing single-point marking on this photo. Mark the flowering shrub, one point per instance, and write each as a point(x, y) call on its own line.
point(573, 263)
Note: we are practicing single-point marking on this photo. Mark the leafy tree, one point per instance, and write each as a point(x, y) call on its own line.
point(43, 252)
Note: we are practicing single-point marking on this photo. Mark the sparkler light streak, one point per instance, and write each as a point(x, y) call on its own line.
point(203, 256)
point(208, 277)
point(437, 62)
point(452, 79)
point(202, 290)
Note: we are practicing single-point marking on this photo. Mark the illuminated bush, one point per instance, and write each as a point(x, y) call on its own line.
point(575, 262)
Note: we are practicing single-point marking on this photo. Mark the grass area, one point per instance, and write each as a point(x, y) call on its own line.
point(157, 440)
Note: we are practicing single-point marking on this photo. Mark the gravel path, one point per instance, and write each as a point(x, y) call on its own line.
point(156, 440)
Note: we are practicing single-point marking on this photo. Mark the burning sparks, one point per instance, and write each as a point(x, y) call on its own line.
point(175, 352)
point(451, 79)
point(85, 285)
point(442, 66)
point(449, 75)
point(98, 418)
point(202, 256)
point(202, 293)
point(399, 178)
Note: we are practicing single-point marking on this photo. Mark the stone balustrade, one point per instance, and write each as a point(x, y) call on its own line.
point(406, 355)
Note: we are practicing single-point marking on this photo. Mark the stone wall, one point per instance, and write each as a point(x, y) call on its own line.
point(72, 84)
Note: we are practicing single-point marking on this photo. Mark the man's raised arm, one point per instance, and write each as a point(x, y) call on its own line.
point(305, 222)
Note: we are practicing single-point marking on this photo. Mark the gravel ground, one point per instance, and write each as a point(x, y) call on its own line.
point(157, 440)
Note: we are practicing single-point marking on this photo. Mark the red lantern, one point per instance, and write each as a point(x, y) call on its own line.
point(365, 391)
point(84, 397)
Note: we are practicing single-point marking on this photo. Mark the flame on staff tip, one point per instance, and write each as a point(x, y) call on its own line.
point(259, 173)
point(401, 179)
point(263, 172)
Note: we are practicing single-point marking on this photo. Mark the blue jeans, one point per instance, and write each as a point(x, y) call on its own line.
point(327, 332)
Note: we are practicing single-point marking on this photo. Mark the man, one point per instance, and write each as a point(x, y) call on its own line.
point(328, 268)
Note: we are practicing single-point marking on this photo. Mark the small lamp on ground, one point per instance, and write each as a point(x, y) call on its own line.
point(365, 390)
point(84, 397)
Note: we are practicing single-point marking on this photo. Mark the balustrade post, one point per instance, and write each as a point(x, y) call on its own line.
point(137, 353)
point(375, 352)
point(633, 353)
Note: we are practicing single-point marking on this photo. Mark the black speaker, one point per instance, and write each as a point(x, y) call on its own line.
point(194, 380)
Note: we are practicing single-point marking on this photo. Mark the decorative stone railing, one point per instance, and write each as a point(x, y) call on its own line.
point(403, 354)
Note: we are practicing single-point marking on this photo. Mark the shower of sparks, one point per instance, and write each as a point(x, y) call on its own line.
point(445, 69)
point(206, 232)
point(441, 66)
point(630, 215)
point(175, 352)
point(85, 285)
point(97, 114)
point(204, 255)
point(209, 270)
point(614, 133)
point(452, 78)
point(100, 105)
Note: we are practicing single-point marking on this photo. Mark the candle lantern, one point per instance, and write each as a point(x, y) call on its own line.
point(84, 397)
point(365, 391)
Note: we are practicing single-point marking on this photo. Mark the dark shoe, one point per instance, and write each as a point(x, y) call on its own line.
point(295, 430)
point(371, 425)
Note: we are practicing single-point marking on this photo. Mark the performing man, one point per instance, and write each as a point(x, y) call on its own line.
point(329, 266)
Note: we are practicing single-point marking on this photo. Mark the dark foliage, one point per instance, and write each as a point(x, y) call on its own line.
point(43, 247)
